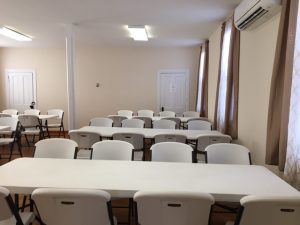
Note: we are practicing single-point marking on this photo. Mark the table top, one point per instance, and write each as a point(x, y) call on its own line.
point(182, 119)
point(147, 132)
point(4, 128)
point(124, 178)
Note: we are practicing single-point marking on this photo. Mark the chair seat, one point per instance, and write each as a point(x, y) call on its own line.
point(27, 218)
point(31, 132)
point(54, 125)
point(84, 154)
point(138, 155)
point(6, 132)
point(5, 141)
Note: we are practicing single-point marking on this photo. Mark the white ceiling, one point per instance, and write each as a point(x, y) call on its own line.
point(103, 22)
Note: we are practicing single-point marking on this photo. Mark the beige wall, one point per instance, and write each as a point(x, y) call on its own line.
point(256, 62)
point(128, 77)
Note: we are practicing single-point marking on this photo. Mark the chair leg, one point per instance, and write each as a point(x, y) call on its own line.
point(11, 150)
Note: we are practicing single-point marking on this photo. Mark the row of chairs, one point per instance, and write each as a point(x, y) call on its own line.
point(150, 113)
point(146, 122)
point(62, 207)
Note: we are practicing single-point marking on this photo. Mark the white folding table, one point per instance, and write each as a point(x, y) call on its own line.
point(123, 178)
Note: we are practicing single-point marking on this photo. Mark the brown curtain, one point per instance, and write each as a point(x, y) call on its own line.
point(279, 102)
point(226, 119)
point(202, 88)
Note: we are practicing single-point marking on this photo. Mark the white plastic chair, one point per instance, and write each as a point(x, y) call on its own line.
point(147, 121)
point(32, 112)
point(55, 148)
point(8, 214)
point(173, 208)
point(171, 152)
point(167, 114)
point(145, 113)
point(10, 111)
point(191, 114)
point(84, 140)
point(101, 122)
point(176, 120)
point(5, 115)
point(225, 153)
point(112, 150)
point(170, 138)
point(164, 124)
point(271, 210)
point(133, 123)
point(73, 206)
point(138, 142)
point(126, 113)
point(117, 120)
point(57, 122)
point(198, 125)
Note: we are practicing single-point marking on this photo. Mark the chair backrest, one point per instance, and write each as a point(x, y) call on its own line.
point(5, 115)
point(127, 113)
point(137, 140)
point(191, 114)
point(225, 153)
point(73, 206)
point(205, 140)
point(7, 206)
point(101, 122)
point(171, 152)
point(173, 208)
point(164, 124)
point(117, 120)
point(10, 111)
point(176, 120)
point(133, 123)
point(55, 148)
point(198, 125)
point(112, 150)
point(167, 114)
point(58, 112)
point(275, 210)
point(145, 113)
point(32, 112)
point(84, 139)
point(147, 121)
point(12, 122)
point(29, 121)
point(170, 138)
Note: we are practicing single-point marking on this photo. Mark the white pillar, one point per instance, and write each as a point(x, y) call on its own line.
point(70, 75)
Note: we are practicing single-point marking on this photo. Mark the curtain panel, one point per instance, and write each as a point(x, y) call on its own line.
point(280, 92)
point(202, 88)
point(226, 108)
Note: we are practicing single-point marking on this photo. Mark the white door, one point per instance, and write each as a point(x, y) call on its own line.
point(21, 89)
point(173, 91)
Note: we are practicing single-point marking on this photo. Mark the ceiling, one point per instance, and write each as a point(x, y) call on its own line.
point(103, 22)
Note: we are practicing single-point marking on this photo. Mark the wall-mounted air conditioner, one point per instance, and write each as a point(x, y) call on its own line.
point(252, 13)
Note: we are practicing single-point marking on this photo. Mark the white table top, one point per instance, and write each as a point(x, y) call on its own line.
point(147, 132)
point(4, 128)
point(124, 178)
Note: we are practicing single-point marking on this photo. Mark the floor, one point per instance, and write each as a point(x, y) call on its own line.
point(219, 215)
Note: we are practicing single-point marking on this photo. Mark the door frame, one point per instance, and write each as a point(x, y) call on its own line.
point(187, 85)
point(34, 85)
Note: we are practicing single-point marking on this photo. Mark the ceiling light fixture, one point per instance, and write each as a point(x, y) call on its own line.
point(14, 34)
point(138, 33)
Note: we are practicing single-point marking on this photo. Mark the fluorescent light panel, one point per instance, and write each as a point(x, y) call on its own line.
point(14, 34)
point(138, 33)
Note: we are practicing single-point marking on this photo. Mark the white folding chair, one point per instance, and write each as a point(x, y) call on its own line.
point(57, 206)
point(84, 140)
point(191, 114)
point(164, 124)
point(138, 142)
point(101, 122)
point(198, 125)
point(10, 111)
point(171, 152)
point(112, 150)
point(271, 210)
point(173, 208)
point(126, 113)
point(145, 113)
point(32, 112)
point(133, 123)
point(170, 138)
point(167, 114)
point(117, 120)
point(225, 153)
point(55, 148)
point(57, 122)
point(5, 115)
point(8, 213)
point(147, 121)
point(176, 120)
